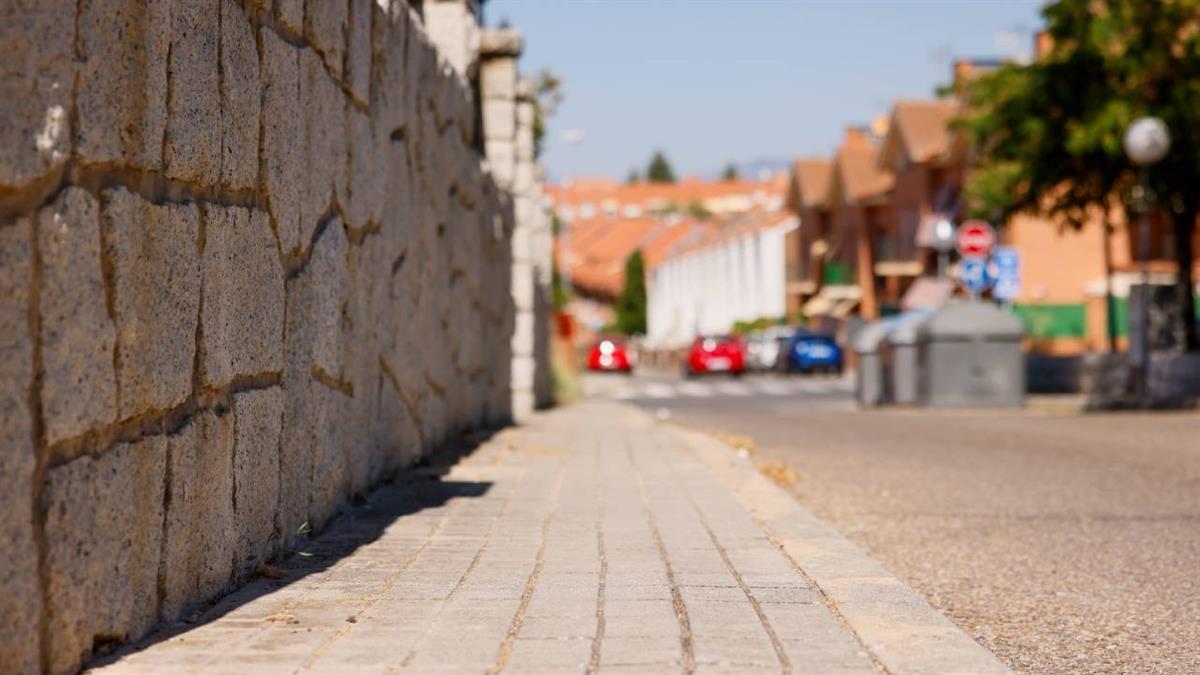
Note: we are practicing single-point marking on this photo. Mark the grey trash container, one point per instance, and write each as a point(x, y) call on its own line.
point(902, 341)
point(970, 355)
point(869, 385)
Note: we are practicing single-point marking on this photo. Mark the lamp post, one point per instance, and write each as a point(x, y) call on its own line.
point(1146, 142)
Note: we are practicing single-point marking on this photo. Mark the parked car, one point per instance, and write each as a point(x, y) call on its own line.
point(716, 354)
point(812, 353)
point(763, 347)
point(610, 354)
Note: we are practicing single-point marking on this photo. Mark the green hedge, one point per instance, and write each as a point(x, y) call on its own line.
point(1053, 321)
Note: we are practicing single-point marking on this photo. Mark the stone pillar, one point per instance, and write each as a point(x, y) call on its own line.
point(498, 52)
point(453, 26)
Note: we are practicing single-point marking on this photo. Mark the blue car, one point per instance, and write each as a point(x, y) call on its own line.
point(813, 353)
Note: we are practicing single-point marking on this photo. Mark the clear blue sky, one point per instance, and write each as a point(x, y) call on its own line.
point(712, 81)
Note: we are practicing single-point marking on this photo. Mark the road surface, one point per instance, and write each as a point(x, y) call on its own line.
point(1063, 543)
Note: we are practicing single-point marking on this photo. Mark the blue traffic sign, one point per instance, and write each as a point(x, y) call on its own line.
point(975, 274)
point(1007, 263)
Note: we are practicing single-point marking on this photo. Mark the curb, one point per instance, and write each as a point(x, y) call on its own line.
point(898, 628)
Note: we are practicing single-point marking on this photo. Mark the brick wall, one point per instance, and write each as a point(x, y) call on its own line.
point(249, 265)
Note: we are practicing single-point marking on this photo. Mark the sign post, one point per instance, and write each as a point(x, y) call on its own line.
point(975, 238)
point(1007, 263)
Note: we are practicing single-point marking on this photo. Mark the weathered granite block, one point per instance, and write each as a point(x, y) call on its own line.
point(316, 297)
point(283, 129)
point(290, 15)
point(104, 524)
point(240, 96)
point(78, 385)
point(35, 88)
point(242, 315)
point(200, 534)
point(325, 29)
point(329, 430)
point(325, 141)
point(368, 180)
point(122, 95)
point(295, 447)
point(258, 415)
point(358, 45)
point(192, 147)
point(156, 298)
point(20, 601)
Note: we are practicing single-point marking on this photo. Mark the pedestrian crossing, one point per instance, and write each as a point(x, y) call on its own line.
point(626, 389)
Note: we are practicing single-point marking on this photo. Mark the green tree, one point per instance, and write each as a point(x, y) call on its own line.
point(729, 173)
point(547, 97)
point(698, 211)
point(631, 305)
point(1049, 134)
point(633, 177)
point(659, 170)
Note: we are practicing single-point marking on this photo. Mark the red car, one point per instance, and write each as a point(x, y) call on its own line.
point(610, 354)
point(716, 354)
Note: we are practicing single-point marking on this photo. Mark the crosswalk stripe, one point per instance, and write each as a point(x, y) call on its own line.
point(694, 389)
point(656, 390)
point(733, 388)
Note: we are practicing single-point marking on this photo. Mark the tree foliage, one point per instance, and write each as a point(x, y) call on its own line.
point(659, 170)
point(729, 173)
point(631, 305)
point(547, 97)
point(1049, 133)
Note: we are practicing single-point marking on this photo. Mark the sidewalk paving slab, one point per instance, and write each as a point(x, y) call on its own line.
point(593, 539)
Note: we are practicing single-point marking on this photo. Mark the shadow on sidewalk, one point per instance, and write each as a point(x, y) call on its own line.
point(358, 524)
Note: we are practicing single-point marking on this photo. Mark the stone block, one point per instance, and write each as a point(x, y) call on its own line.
point(242, 315)
point(499, 119)
point(324, 117)
point(524, 367)
point(192, 147)
point(283, 136)
point(498, 79)
point(199, 534)
point(523, 334)
point(20, 601)
point(155, 279)
point(78, 385)
point(104, 525)
point(358, 46)
point(240, 99)
point(36, 78)
point(328, 433)
point(523, 184)
point(524, 285)
point(257, 418)
point(316, 298)
point(325, 29)
point(290, 15)
point(295, 446)
point(122, 94)
point(389, 70)
point(501, 161)
point(368, 181)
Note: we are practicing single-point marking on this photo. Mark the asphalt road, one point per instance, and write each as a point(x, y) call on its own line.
point(1063, 543)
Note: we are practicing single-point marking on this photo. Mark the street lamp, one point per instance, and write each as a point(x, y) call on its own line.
point(1147, 141)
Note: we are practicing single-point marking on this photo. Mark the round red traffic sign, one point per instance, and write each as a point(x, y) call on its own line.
point(975, 237)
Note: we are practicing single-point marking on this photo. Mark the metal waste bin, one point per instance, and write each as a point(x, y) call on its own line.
point(970, 355)
point(870, 389)
point(904, 359)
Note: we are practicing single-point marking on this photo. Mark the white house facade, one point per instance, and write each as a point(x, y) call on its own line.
point(734, 276)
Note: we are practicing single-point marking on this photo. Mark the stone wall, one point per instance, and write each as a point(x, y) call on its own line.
point(250, 264)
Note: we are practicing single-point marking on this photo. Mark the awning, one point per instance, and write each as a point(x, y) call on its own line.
point(927, 293)
point(818, 306)
point(843, 308)
point(899, 268)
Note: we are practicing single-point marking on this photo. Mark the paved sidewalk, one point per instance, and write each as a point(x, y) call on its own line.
point(592, 540)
